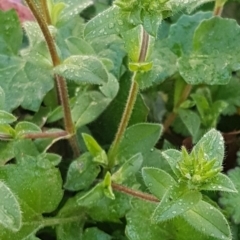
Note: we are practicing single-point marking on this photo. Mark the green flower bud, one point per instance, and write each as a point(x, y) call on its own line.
point(196, 168)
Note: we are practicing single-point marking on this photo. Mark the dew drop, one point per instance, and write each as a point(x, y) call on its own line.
point(111, 25)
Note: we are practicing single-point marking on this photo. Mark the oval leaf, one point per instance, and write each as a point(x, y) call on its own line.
point(208, 220)
point(10, 213)
point(83, 69)
point(6, 117)
point(157, 181)
point(175, 202)
point(213, 145)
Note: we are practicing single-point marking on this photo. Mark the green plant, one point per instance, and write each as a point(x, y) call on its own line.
point(91, 112)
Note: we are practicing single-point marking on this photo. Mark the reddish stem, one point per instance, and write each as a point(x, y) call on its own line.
point(135, 193)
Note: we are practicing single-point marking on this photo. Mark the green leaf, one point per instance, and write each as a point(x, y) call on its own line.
point(217, 59)
point(33, 32)
point(175, 202)
point(111, 21)
point(110, 89)
point(81, 173)
point(25, 84)
point(10, 33)
point(128, 169)
point(191, 120)
point(52, 158)
point(93, 233)
point(151, 23)
point(112, 48)
point(220, 183)
point(83, 69)
point(107, 186)
point(213, 145)
point(181, 33)
point(88, 106)
point(6, 152)
point(230, 200)
point(208, 220)
point(189, 5)
point(74, 7)
point(23, 128)
point(157, 181)
point(173, 157)
point(102, 208)
point(6, 117)
point(78, 46)
point(71, 230)
point(96, 151)
point(10, 212)
point(228, 93)
point(2, 99)
point(138, 219)
point(139, 138)
point(38, 190)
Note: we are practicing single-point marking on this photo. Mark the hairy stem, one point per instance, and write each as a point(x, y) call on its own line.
point(46, 135)
point(218, 8)
point(135, 193)
point(45, 11)
point(59, 81)
point(132, 96)
point(172, 116)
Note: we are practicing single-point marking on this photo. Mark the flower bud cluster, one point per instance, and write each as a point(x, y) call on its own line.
point(196, 168)
point(151, 6)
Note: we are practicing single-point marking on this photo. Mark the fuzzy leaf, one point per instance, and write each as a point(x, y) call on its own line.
point(81, 173)
point(175, 202)
point(96, 151)
point(70, 230)
point(93, 233)
point(191, 120)
point(220, 183)
point(208, 220)
point(111, 21)
point(189, 5)
point(213, 145)
point(181, 33)
point(135, 229)
point(23, 128)
point(38, 189)
point(139, 138)
point(78, 46)
point(26, 83)
point(88, 106)
point(102, 208)
point(216, 59)
point(6, 117)
point(128, 169)
point(10, 33)
point(229, 93)
point(230, 201)
point(176, 229)
point(173, 156)
point(83, 69)
point(157, 181)
point(73, 7)
point(10, 212)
